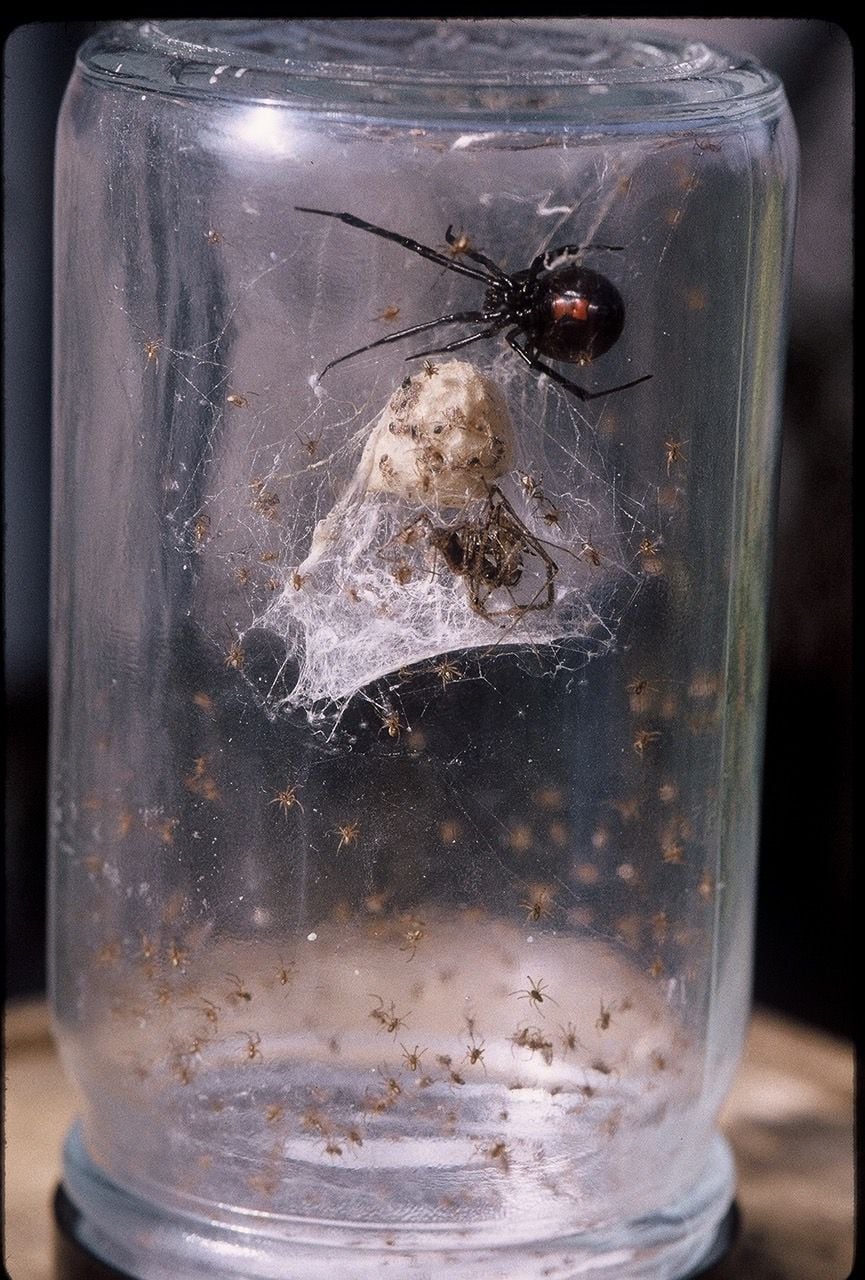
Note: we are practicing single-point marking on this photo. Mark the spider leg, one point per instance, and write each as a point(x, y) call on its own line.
point(413, 245)
point(540, 366)
point(456, 317)
point(453, 346)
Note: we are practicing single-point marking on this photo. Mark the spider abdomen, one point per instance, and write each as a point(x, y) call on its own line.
point(577, 314)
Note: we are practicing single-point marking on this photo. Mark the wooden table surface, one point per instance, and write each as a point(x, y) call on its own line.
point(789, 1119)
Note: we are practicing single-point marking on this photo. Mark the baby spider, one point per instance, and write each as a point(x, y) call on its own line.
point(555, 307)
point(207, 1010)
point(603, 1020)
point(638, 690)
point(674, 453)
point(387, 1018)
point(643, 739)
point(459, 244)
point(239, 992)
point(570, 1039)
point(235, 657)
point(251, 1050)
point(531, 486)
point(348, 834)
point(412, 1056)
point(536, 993)
point(539, 903)
point(412, 937)
point(391, 724)
point(446, 672)
point(310, 444)
point(475, 1053)
point(497, 1153)
point(287, 799)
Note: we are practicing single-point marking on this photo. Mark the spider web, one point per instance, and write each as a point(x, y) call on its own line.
point(306, 580)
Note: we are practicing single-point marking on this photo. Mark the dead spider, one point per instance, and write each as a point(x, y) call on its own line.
point(490, 554)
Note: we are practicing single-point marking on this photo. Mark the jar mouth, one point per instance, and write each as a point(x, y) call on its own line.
point(547, 70)
point(496, 52)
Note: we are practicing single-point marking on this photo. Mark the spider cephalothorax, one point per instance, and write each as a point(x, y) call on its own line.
point(556, 307)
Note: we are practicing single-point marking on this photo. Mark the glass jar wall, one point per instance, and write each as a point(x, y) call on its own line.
point(416, 396)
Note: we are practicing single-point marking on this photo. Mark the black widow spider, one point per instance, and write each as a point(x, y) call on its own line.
point(560, 308)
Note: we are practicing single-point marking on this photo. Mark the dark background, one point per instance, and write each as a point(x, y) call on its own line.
point(805, 897)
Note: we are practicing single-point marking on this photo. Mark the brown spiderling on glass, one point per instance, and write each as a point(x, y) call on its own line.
point(604, 1018)
point(208, 1010)
point(238, 992)
point(251, 1050)
point(706, 887)
point(497, 1152)
point(532, 486)
point(264, 502)
point(638, 687)
point(533, 1039)
point(475, 1053)
point(458, 244)
point(535, 993)
point(310, 444)
point(447, 672)
point(390, 313)
point(673, 449)
point(237, 401)
point(539, 904)
point(570, 1040)
point(387, 1018)
point(412, 936)
point(287, 800)
point(236, 656)
point(348, 834)
point(412, 1056)
point(643, 740)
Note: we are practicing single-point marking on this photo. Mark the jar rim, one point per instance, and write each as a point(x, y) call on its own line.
point(536, 68)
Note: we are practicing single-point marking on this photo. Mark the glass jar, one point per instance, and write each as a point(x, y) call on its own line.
point(416, 443)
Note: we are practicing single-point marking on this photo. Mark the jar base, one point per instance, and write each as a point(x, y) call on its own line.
point(686, 1242)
